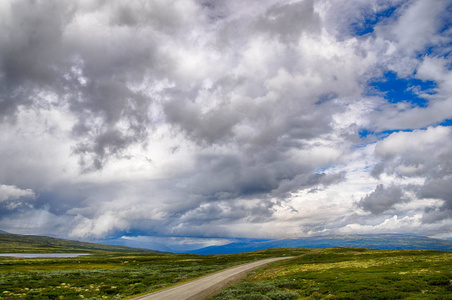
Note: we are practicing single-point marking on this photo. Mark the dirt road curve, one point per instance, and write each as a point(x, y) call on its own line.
point(207, 285)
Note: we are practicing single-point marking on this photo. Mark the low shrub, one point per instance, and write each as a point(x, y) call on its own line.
point(282, 295)
point(253, 296)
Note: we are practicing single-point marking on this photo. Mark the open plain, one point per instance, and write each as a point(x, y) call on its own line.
point(333, 273)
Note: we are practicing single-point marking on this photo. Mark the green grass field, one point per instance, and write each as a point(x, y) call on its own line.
point(350, 273)
point(110, 275)
point(113, 272)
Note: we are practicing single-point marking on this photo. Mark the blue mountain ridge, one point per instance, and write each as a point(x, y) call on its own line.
point(375, 241)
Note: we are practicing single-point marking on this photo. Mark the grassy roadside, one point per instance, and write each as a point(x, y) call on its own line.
point(350, 273)
point(112, 275)
point(335, 273)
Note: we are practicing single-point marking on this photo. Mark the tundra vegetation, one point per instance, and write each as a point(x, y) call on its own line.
point(335, 273)
point(108, 275)
point(350, 273)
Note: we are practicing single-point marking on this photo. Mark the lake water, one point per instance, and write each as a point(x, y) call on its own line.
point(40, 255)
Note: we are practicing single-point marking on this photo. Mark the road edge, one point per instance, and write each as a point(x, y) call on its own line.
point(216, 288)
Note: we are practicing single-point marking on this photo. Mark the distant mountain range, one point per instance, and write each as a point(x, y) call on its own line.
point(10, 243)
point(377, 241)
point(14, 243)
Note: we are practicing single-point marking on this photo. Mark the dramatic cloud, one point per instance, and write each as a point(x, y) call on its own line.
point(11, 197)
point(204, 121)
point(8, 192)
point(382, 199)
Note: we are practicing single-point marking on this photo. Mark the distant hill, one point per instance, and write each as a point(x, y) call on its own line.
point(377, 241)
point(16, 243)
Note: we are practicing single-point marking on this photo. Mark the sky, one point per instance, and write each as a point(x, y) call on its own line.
point(183, 124)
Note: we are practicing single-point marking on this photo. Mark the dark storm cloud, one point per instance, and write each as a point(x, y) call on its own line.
point(377, 170)
point(437, 189)
point(14, 200)
point(217, 125)
point(287, 22)
point(225, 189)
point(226, 177)
point(294, 116)
point(304, 181)
point(113, 102)
point(65, 197)
point(46, 48)
point(156, 14)
point(224, 213)
point(211, 127)
point(31, 55)
point(382, 199)
point(424, 153)
point(13, 206)
point(232, 175)
point(432, 215)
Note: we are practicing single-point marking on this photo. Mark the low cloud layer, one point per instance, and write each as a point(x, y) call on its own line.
point(216, 119)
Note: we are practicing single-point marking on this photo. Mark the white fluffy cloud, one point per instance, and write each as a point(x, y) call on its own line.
point(11, 192)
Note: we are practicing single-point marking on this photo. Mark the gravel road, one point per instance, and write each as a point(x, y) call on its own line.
point(207, 285)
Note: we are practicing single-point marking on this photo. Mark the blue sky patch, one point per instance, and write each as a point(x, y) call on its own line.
point(396, 89)
point(366, 25)
point(379, 135)
point(435, 51)
point(363, 133)
point(447, 122)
